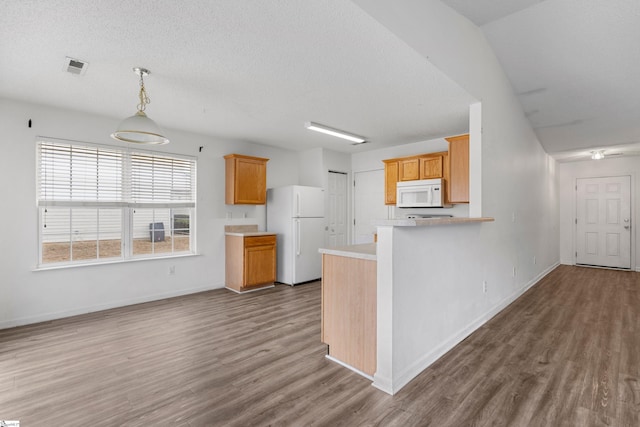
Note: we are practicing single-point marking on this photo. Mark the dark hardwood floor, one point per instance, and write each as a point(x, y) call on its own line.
point(567, 353)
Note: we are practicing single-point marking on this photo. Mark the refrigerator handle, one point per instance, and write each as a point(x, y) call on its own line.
point(298, 237)
point(297, 203)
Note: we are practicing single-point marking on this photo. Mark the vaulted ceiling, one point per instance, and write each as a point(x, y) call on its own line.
point(257, 70)
point(574, 65)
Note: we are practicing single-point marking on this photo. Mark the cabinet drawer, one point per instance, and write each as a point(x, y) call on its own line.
point(259, 240)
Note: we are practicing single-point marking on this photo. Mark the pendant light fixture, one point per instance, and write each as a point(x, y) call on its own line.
point(140, 129)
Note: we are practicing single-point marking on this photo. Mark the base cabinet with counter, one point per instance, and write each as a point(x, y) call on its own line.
point(349, 315)
point(250, 260)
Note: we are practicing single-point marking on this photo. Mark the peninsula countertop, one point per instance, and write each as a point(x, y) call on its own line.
point(363, 251)
point(421, 222)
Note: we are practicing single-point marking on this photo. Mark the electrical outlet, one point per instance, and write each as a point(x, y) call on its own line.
point(229, 215)
point(172, 270)
point(534, 261)
point(484, 286)
point(514, 272)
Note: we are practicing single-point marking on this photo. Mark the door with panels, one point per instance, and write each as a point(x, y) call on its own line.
point(337, 209)
point(603, 221)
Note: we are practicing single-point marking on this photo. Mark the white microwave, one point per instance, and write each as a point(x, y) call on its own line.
point(423, 193)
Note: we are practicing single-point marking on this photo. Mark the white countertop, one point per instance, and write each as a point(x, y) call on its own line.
point(364, 251)
point(419, 222)
point(249, 233)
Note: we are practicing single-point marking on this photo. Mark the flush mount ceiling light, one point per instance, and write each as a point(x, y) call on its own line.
point(597, 155)
point(334, 132)
point(140, 129)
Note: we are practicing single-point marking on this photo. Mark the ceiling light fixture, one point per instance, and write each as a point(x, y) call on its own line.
point(597, 155)
point(334, 132)
point(140, 129)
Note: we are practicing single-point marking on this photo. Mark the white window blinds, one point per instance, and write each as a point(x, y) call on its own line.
point(73, 174)
point(162, 181)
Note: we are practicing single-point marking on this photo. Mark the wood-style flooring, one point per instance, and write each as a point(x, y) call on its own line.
point(567, 353)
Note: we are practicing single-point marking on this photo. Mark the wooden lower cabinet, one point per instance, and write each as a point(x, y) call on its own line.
point(250, 262)
point(349, 314)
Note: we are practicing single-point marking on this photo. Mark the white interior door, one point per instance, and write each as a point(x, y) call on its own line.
point(603, 221)
point(368, 204)
point(337, 210)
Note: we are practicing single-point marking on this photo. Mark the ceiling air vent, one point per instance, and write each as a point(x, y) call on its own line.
point(75, 66)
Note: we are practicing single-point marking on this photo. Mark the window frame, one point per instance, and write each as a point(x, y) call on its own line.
point(186, 190)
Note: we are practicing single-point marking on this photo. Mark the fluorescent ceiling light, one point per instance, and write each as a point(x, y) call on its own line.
point(597, 155)
point(334, 132)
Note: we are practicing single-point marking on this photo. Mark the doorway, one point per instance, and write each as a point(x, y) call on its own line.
point(368, 204)
point(603, 222)
point(337, 209)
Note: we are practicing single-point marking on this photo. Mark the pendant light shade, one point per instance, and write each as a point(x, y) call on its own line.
point(140, 129)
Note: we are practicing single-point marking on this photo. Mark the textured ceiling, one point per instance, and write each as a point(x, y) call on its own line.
point(575, 65)
point(236, 69)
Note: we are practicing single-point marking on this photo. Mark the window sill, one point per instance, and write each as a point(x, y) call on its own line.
point(61, 266)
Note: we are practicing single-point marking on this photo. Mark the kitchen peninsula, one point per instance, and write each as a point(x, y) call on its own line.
point(383, 299)
point(349, 306)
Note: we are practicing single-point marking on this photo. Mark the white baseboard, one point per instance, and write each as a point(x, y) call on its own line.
point(99, 307)
point(351, 368)
point(412, 371)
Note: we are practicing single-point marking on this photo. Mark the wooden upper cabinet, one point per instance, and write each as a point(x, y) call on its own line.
point(431, 167)
point(246, 180)
point(390, 181)
point(458, 183)
point(423, 166)
point(409, 169)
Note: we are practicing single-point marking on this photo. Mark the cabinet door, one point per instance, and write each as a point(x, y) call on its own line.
point(259, 265)
point(459, 169)
point(390, 181)
point(251, 183)
point(409, 169)
point(431, 167)
point(246, 180)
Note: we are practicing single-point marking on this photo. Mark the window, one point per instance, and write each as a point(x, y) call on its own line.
point(99, 203)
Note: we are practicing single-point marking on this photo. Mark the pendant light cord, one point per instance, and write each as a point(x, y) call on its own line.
point(144, 99)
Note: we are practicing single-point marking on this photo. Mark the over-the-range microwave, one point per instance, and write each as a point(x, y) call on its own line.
point(423, 193)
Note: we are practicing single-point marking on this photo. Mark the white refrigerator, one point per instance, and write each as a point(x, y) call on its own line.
point(296, 214)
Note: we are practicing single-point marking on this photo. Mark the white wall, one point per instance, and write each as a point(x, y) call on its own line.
point(442, 269)
point(568, 173)
point(28, 296)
